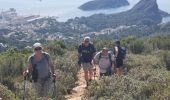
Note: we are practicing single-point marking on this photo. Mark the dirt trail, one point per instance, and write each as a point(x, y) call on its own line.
point(78, 91)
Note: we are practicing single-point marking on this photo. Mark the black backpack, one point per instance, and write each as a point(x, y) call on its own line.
point(34, 72)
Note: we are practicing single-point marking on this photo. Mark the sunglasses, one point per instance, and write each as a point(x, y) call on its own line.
point(86, 41)
point(37, 49)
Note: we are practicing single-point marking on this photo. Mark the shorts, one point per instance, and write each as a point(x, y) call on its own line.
point(119, 63)
point(87, 66)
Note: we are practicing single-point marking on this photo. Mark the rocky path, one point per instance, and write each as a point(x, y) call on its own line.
point(78, 91)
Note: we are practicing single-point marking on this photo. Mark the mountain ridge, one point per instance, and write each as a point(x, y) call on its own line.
point(145, 12)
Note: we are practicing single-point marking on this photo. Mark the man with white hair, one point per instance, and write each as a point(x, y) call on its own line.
point(41, 66)
point(86, 52)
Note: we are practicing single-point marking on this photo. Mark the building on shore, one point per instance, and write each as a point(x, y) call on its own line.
point(11, 17)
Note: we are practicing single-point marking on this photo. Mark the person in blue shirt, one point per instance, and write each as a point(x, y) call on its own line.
point(86, 52)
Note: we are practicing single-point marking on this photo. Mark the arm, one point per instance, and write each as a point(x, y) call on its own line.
point(96, 58)
point(28, 67)
point(94, 52)
point(51, 66)
point(113, 60)
point(79, 55)
point(94, 65)
point(116, 51)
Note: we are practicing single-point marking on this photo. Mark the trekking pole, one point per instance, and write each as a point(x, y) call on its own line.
point(25, 79)
point(54, 91)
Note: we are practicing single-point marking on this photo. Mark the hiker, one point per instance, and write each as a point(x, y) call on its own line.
point(119, 56)
point(105, 60)
point(86, 52)
point(40, 64)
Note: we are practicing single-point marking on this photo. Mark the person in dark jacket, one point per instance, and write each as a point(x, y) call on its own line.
point(118, 60)
point(86, 52)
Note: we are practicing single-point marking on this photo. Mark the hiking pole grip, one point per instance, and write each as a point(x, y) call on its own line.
point(54, 77)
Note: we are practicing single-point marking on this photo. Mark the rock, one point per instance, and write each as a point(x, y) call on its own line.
point(103, 4)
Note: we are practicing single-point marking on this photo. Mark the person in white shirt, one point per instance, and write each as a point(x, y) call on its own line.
point(105, 60)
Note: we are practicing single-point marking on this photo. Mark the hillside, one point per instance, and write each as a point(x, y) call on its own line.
point(148, 72)
point(103, 4)
point(142, 20)
point(146, 12)
point(147, 77)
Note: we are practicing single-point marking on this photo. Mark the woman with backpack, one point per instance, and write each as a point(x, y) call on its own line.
point(41, 67)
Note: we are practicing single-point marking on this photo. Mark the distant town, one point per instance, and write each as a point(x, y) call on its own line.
point(11, 17)
point(22, 31)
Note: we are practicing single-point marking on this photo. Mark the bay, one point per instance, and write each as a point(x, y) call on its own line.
point(65, 9)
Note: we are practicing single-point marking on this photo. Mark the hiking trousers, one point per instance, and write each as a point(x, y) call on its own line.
point(42, 87)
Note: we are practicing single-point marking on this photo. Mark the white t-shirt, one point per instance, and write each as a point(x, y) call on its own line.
point(104, 61)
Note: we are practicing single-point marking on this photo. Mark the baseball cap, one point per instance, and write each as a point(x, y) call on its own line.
point(37, 45)
point(105, 48)
point(86, 38)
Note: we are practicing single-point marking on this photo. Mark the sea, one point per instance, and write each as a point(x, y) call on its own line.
point(66, 9)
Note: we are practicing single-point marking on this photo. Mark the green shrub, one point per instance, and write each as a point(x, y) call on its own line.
point(55, 48)
point(6, 94)
point(104, 43)
point(14, 61)
point(68, 71)
point(166, 59)
point(115, 88)
point(147, 79)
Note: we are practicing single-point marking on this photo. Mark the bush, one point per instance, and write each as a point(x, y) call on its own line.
point(147, 79)
point(6, 94)
point(13, 62)
point(104, 43)
point(115, 88)
point(68, 68)
point(165, 58)
point(55, 48)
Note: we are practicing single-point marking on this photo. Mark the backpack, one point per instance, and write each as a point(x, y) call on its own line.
point(122, 52)
point(34, 72)
point(109, 69)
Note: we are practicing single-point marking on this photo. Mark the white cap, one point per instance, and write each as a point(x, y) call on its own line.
point(37, 45)
point(87, 38)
